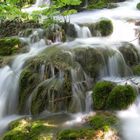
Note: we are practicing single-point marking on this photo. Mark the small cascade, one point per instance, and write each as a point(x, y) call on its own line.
point(80, 82)
point(82, 32)
point(115, 65)
point(10, 80)
point(42, 2)
point(89, 102)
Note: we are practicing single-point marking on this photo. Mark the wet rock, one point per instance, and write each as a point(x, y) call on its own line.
point(26, 129)
point(10, 46)
point(130, 53)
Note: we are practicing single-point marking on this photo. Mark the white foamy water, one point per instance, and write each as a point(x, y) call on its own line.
point(9, 83)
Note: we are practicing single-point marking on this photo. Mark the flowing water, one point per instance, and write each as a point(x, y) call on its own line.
point(9, 76)
point(115, 68)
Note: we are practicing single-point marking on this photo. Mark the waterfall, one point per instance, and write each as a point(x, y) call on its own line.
point(10, 80)
point(89, 102)
point(82, 32)
point(42, 2)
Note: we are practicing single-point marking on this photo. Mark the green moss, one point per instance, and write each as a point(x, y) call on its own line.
point(138, 6)
point(28, 130)
point(130, 54)
point(9, 46)
point(100, 4)
point(74, 134)
point(105, 27)
point(103, 121)
point(136, 70)
point(121, 97)
point(100, 94)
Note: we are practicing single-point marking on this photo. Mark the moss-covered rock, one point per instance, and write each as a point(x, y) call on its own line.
point(130, 53)
point(136, 70)
point(104, 121)
point(138, 6)
point(95, 128)
point(90, 59)
point(10, 46)
point(121, 97)
point(108, 96)
point(100, 94)
point(104, 27)
point(74, 134)
point(28, 130)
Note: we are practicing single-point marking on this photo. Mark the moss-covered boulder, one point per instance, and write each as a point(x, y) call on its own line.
point(138, 6)
point(75, 134)
point(121, 97)
point(50, 89)
point(91, 60)
point(104, 27)
point(108, 96)
point(10, 46)
point(130, 53)
point(96, 127)
point(28, 130)
point(101, 4)
point(104, 121)
point(136, 70)
point(100, 94)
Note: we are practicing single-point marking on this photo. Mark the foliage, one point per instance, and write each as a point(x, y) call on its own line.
point(100, 94)
point(121, 97)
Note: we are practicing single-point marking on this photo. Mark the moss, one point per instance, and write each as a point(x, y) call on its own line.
point(9, 46)
point(100, 4)
point(136, 70)
point(74, 134)
point(28, 81)
point(105, 27)
point(90, 59)
point(100, 94)
point(103, 121)
point(138, 6)
point(121, 97)
point(130, 53)
point(28, 130)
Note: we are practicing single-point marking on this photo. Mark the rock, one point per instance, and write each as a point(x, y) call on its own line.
point(25, 129)
point(100, 94)
point(104, 27)
point(138, 6)
point(121, 97)
point(130, 53)
point(108, 96)
point(10, 46)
